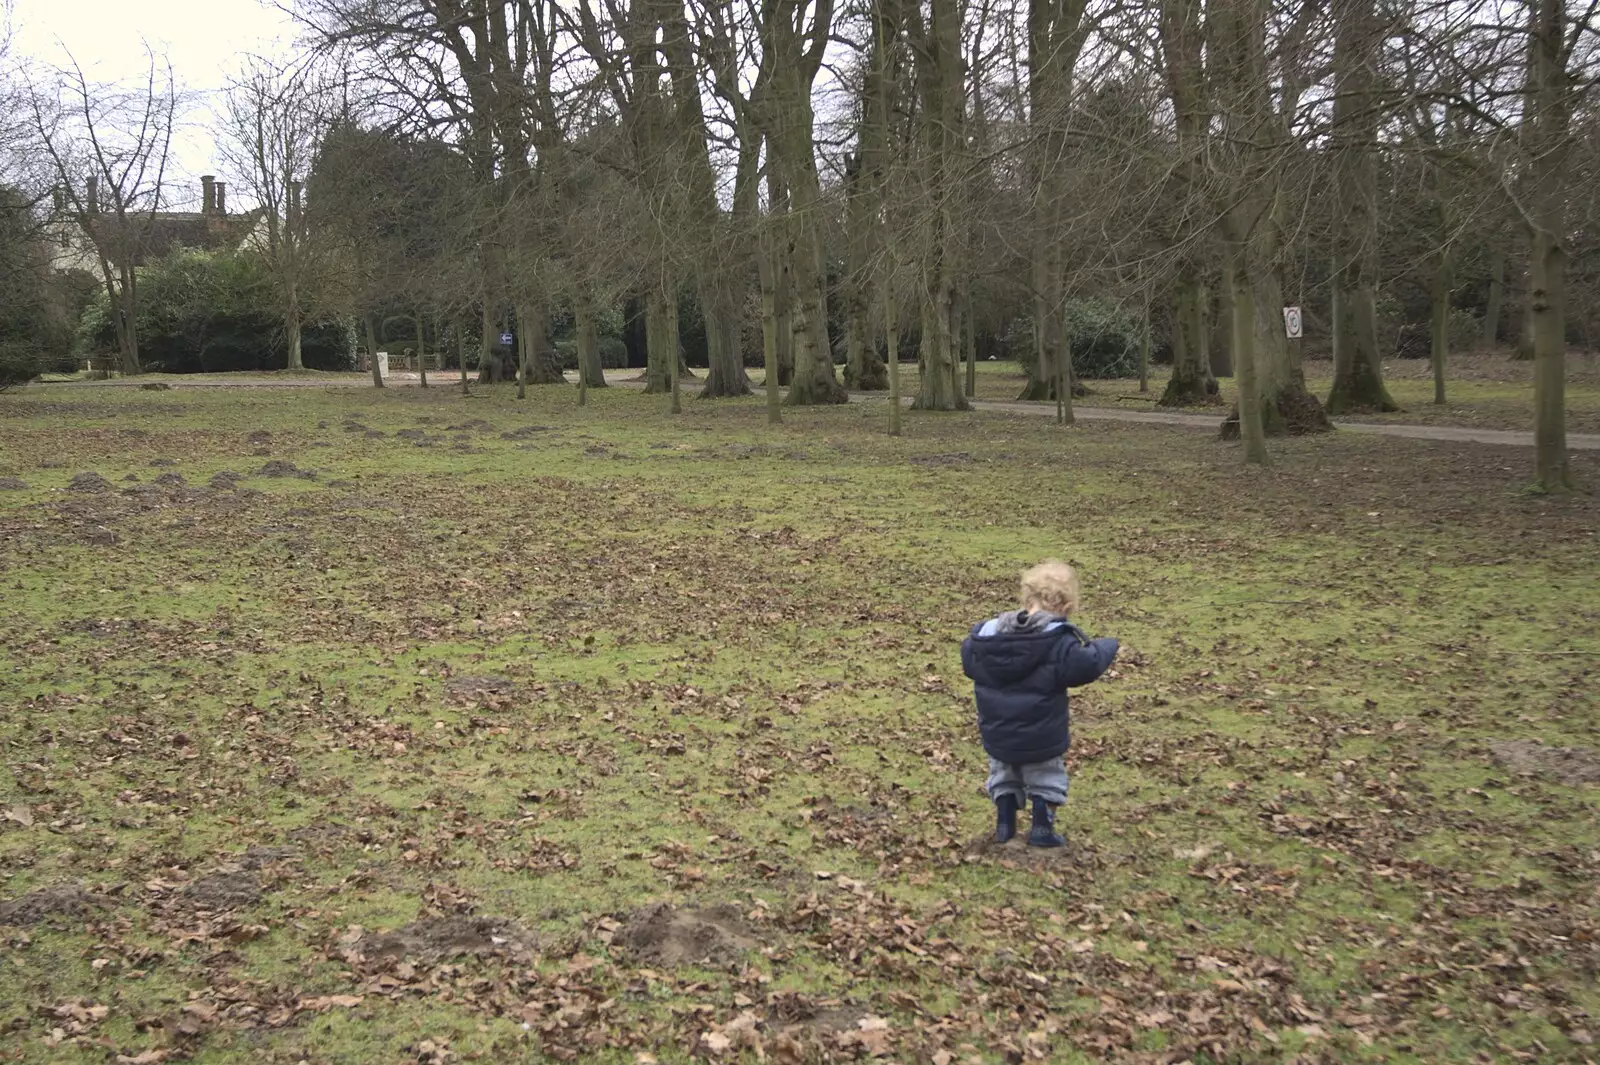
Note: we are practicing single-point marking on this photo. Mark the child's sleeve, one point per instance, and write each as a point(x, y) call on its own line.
point(1082, 661)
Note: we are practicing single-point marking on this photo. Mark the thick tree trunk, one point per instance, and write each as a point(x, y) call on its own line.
point(487, 364)
point(1191, 383)
point(1253, 406)
point(658, 347)
point(1358, 365)
point(726, 376)
point(1439, 324)
point(542, 366)
point(1552, 92)
point(461, 354)
point(1219, 329)
point(591, 372)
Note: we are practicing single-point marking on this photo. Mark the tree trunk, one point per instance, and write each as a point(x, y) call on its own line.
point(969, 329)
point(1191, 383)
point(673, 339)
point(1552, 91)
point(372, 350)
point(1218, 326)
point(487, 362)
point(422, 349)
point(891, 331)
point(770, 331)
point(720, 308)
point(1439, 322)
point(591, 371)
point(658, 370)
point(1144, 347)
point(1490, 336)
point(291, 330)
point(540, 365)
point(1357, 363)
point(1252, 405)
point(461, 354)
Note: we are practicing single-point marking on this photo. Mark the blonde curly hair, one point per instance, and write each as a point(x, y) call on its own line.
point(1051, 586)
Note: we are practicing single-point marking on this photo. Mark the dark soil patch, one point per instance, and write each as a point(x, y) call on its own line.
point(1569, 765)
point(224, 890)
point(435, 939)
point(956, 458)
point(225, 480)
point(375, 434)
point(475, 425)
point(58, 900)
point(283, 468)
point(260, 436)
point(665, 935)
point(172, 480)
point(478, 687)
point(1018, 853)
point(89, 482)
point(412, 434)
point(525, 432)
point(12, 484)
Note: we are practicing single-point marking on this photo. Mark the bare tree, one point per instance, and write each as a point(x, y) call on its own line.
point(274, 121)
point(108, 146)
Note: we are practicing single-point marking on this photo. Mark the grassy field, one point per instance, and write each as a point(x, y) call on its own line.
point(1484, 391)
point(343, 726)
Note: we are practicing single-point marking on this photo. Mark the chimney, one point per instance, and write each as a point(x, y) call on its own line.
point(91, 195)
point(208, 195)
point(222, 197)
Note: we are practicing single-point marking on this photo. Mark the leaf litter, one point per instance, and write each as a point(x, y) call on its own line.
point(626, 758)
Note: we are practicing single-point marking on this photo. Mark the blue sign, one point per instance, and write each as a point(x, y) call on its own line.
point(506, 339)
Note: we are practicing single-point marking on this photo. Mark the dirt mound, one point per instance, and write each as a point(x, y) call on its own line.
point(525, 432)
point(89, 482)
point(260, 436)
point(435, 939)
point(163, 462)
point(1018, 853)
point(225, 480)
point(155, 386)
point(172, 480)
point(665, 935)
point(12, 484)
point(1569, 765)
point(282, 468)
point(224, 890)
point(57, 900)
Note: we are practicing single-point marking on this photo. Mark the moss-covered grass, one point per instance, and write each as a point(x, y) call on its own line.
point(544, 666)
point(1483, 391)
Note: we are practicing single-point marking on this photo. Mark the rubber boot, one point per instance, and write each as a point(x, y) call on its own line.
point(1043, 833)
point(1005, 820)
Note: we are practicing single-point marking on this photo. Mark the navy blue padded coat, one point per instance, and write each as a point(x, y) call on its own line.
point(1021, 666)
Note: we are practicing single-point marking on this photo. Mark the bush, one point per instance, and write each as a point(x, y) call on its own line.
point(19, 363)
point(1105, 339)
point(613, 353)
point(209, 312)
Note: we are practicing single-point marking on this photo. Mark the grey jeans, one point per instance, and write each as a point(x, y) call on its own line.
point(1035, 780)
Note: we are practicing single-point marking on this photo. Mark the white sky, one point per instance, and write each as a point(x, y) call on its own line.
point(205, 40)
